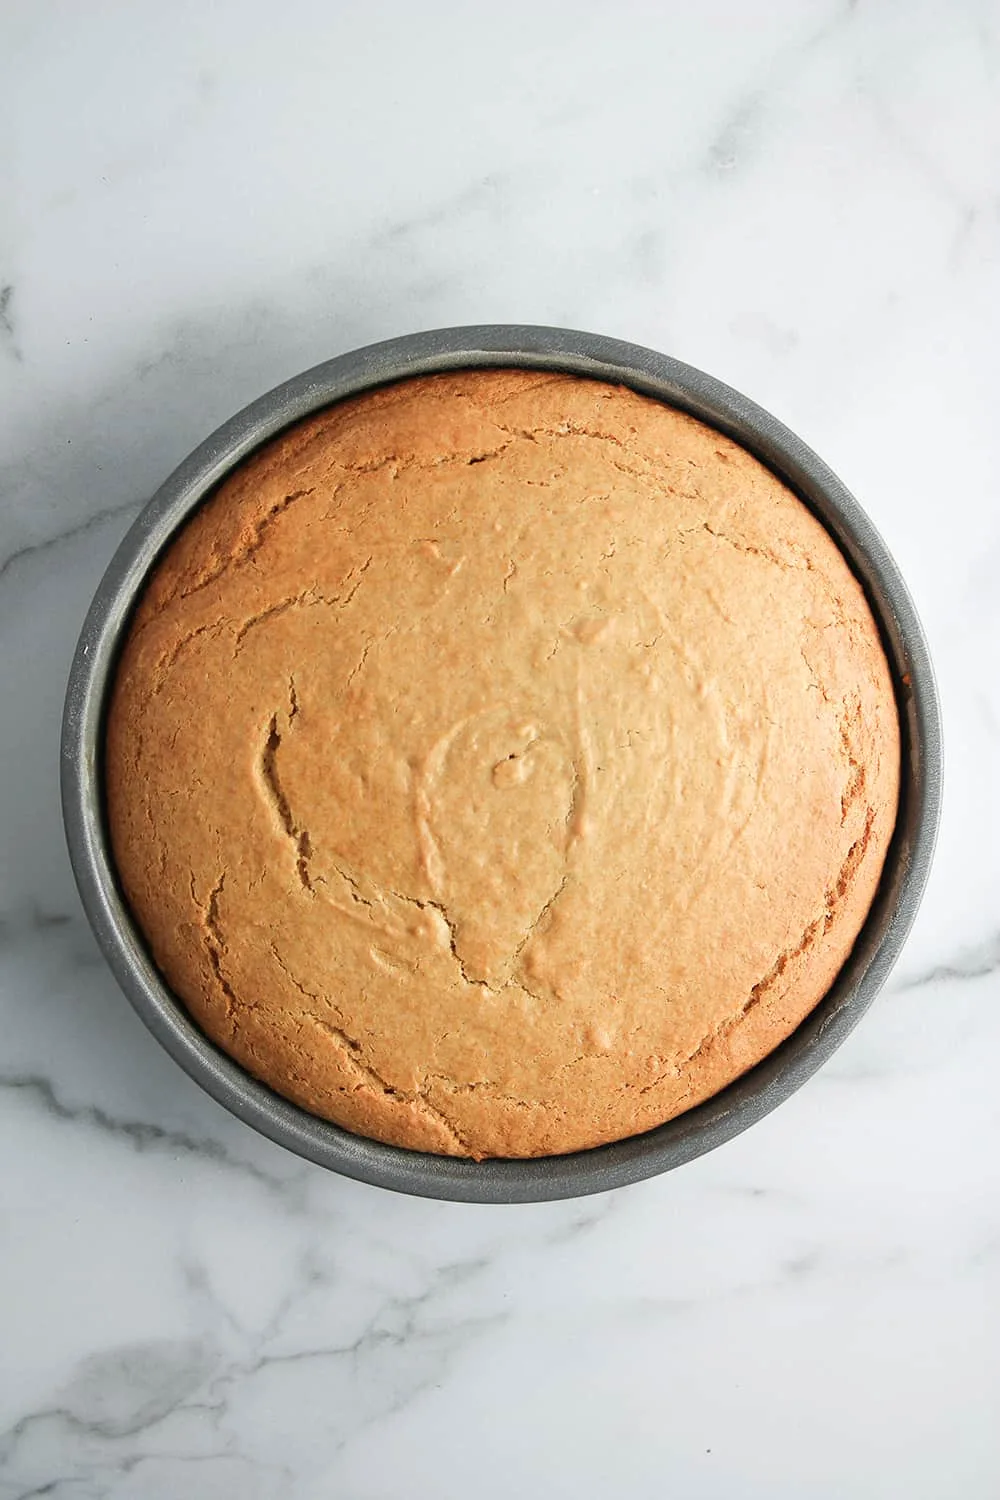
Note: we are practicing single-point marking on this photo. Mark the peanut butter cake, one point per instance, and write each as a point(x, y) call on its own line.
point(500, 763)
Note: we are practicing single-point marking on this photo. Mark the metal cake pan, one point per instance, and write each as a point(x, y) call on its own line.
point(741, 1103)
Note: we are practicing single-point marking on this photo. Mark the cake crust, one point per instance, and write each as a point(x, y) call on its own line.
point(499, 763)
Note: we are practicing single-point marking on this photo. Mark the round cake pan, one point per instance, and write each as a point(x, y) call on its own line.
point(741, 1103)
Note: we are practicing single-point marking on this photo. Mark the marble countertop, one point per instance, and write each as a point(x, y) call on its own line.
point(800, 196)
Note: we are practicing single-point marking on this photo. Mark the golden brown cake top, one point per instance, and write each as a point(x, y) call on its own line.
point(501, 762)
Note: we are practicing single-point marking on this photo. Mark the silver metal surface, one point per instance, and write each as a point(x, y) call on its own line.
point(743, 1102)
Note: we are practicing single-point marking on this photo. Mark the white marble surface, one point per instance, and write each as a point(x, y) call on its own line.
point(198, 200)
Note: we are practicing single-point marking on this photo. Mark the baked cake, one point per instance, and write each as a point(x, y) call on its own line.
point(500, 763)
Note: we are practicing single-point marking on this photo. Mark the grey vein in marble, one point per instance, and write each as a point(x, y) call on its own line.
point(973, 963)
point(66, 534)
point(130, 1391)
point(728, 147)
point(7, 330)
point(142, 1136)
